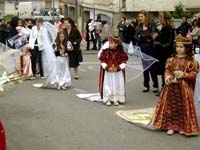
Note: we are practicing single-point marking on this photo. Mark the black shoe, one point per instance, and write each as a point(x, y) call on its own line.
point(76, 77)
point(158, 94)
point(145, 90)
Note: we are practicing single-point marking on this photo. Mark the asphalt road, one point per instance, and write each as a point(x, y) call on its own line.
point(45, 119)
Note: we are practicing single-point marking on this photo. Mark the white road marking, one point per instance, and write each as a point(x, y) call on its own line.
point(79, 90)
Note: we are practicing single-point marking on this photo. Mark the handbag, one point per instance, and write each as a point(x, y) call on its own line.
point(69, 46)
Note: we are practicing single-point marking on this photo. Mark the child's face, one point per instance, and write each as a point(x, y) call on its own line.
point(25, 50)
point(62, 37)
point(180, 48)
point(112, 45)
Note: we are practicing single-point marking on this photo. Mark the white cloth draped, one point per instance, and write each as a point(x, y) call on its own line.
point(55, 68)
point(48, 54)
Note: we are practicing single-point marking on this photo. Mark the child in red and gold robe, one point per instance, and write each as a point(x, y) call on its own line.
point(112, 73)
point(175, 111)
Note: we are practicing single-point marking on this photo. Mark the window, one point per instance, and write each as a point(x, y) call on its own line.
point(123, 3)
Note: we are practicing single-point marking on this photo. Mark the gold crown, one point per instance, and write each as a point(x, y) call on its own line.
point(183, 40)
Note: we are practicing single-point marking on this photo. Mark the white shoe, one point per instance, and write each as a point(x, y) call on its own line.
point(63, 87)
point(108, 103)
point(32, 78)
point(116, 103)
point(41, 77)
point(58, 88)
point(170, 132)
point(181, 132)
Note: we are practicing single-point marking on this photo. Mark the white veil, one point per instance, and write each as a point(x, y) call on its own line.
point(138, 61)
point(49, 33)
point(9, 59)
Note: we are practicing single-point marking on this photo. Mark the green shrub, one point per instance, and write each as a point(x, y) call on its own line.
point(8, 17)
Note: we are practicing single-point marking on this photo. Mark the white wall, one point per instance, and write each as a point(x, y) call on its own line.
point(151, 5)
point(10, 8)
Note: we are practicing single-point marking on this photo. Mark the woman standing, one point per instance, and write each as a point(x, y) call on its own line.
point(144, 39)
point(166, 39)
point(74, 39)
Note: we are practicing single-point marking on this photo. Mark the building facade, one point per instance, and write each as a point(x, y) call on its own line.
point(110, 10)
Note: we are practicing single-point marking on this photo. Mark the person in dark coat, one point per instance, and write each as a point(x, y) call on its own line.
point(13, 31)
point(3, 31)
point(165, 38)
point(184, 27)
point(74, 38)
point(144, 39)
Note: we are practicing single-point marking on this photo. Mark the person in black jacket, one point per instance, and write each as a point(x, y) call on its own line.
point(184, 27)
point(144, 40)
point(3, 31)
point(74, 37)
point(165, 38)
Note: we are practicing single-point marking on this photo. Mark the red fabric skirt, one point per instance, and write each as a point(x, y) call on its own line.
point(173, 115)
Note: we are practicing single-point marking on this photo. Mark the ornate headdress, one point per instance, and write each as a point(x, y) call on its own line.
point(114, 39)
point(183, 40)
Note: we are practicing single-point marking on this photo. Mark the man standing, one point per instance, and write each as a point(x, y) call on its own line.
point(98, 30)
point(36, 44)
point(184, 27)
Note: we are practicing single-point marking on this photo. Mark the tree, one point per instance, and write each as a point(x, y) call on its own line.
point(179, 11)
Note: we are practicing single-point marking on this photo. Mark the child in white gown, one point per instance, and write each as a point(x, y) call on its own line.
point(59, 77)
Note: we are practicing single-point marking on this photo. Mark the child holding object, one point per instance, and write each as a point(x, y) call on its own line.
point(60, 77)
point(112, 72)
point(175, 111)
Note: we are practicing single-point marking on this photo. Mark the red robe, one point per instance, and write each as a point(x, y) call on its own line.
point(2, 138)
point(175, 109)
point(113, 58)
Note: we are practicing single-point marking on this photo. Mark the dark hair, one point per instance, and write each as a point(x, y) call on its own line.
point(98, 17)
point(39, 20)
point(71, 21)
point(89, 20)
point(184, 17)
point(119, 46)
point(14, 22)
point(124, 18)
point(147, 17)
point(195, 20)
point(62, 20)
point(104, 22)
point(189, 53)
point(58, 40)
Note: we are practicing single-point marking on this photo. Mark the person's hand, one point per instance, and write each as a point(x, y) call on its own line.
point(154, 35)
point(65, 54)
point(75, 43)
point(179, 74)
point(168, 80)
point(112, 69)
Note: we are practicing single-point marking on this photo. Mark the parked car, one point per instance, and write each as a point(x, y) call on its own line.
point(48, 15)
